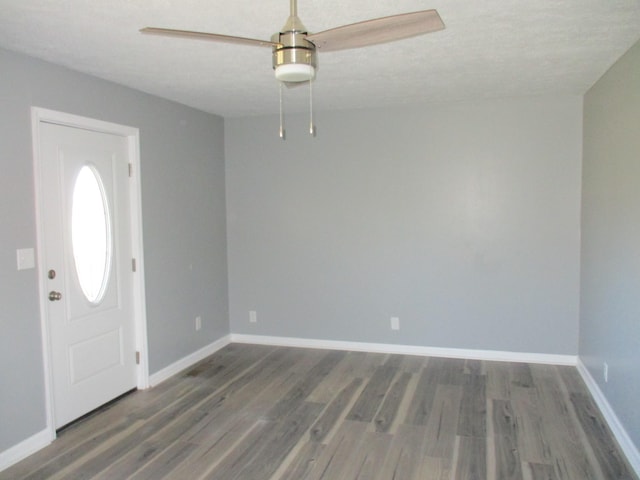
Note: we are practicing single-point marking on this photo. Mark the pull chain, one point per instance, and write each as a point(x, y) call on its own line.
point(282, 132)
point(312, 127)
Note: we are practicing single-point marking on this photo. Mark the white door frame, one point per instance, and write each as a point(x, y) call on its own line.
point(132, 135)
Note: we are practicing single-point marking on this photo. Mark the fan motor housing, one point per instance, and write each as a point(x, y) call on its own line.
point(294, 49)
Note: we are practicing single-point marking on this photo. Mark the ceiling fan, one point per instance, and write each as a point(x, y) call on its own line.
point(294, 48)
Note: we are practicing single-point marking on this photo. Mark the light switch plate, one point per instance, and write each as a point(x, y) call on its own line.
point(26, 258)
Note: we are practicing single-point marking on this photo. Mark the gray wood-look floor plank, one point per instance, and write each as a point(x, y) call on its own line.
point(420, 407)
point(209, 454)
point(93, 465)
point(343, 373)
point(372, 395)
point(71, 458)
point(303, 463)
point(270, 365)
point(370, 363)
point(471, 458)
point(505, 441)
point(210, 366)
point(613, 465)
point(498, 383)
point(232, 365)
point(348, 453)
point(435, 469)
point(404, 456)
point(303, 388)
point(231, 463)
point(573, 456)
point(442, 426)
point(450, 371)
point(374, 451)
point(473, 407)
point(278, 413)
point(504, 420)
point(334, 456)
point(261, 458)
point(389, 409)
point(507, 457)
point(520, 374)
point(332, 413)
point(143, 453)
point(165, 463)
point(393, 361)
point(412, 363)
point(538, 471)
point(92, 434)
point(473, 367)
point(533, 445)
point(570, 377)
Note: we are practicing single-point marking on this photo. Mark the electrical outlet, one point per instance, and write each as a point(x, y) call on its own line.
point(198, 323)
point(605, 371)
point(253, 316)
point(395, 323)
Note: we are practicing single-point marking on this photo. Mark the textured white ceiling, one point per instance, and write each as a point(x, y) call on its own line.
point(490, 48)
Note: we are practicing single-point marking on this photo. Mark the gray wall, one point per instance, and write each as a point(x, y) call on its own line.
point(610, 280)
point(182, 155)
point(462, 220)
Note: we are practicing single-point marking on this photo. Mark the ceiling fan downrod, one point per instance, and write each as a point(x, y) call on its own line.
point(294, 57)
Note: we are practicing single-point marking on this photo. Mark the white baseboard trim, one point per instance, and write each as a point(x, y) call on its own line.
point(25, 448)
point(626, 444)
point(188, 361)
point(408, 349)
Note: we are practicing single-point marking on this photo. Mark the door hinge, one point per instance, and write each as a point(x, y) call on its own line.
point(133, 265)
point(137, 358)
point(130, 170)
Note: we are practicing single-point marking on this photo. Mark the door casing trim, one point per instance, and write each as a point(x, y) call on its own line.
point(132, 136)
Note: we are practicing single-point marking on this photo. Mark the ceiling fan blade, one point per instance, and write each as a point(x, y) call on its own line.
point(207, 36)
point(379, 30)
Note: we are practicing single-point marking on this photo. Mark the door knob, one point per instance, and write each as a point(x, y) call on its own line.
point(54, 296)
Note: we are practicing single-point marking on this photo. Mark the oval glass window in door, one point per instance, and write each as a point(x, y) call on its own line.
point(91, 234)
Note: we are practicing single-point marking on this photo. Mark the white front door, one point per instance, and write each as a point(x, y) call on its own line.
point(87, 259)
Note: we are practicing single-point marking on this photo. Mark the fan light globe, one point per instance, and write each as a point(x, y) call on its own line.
point(295, 72)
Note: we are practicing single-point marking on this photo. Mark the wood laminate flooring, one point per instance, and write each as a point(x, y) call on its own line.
point(258, 413)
